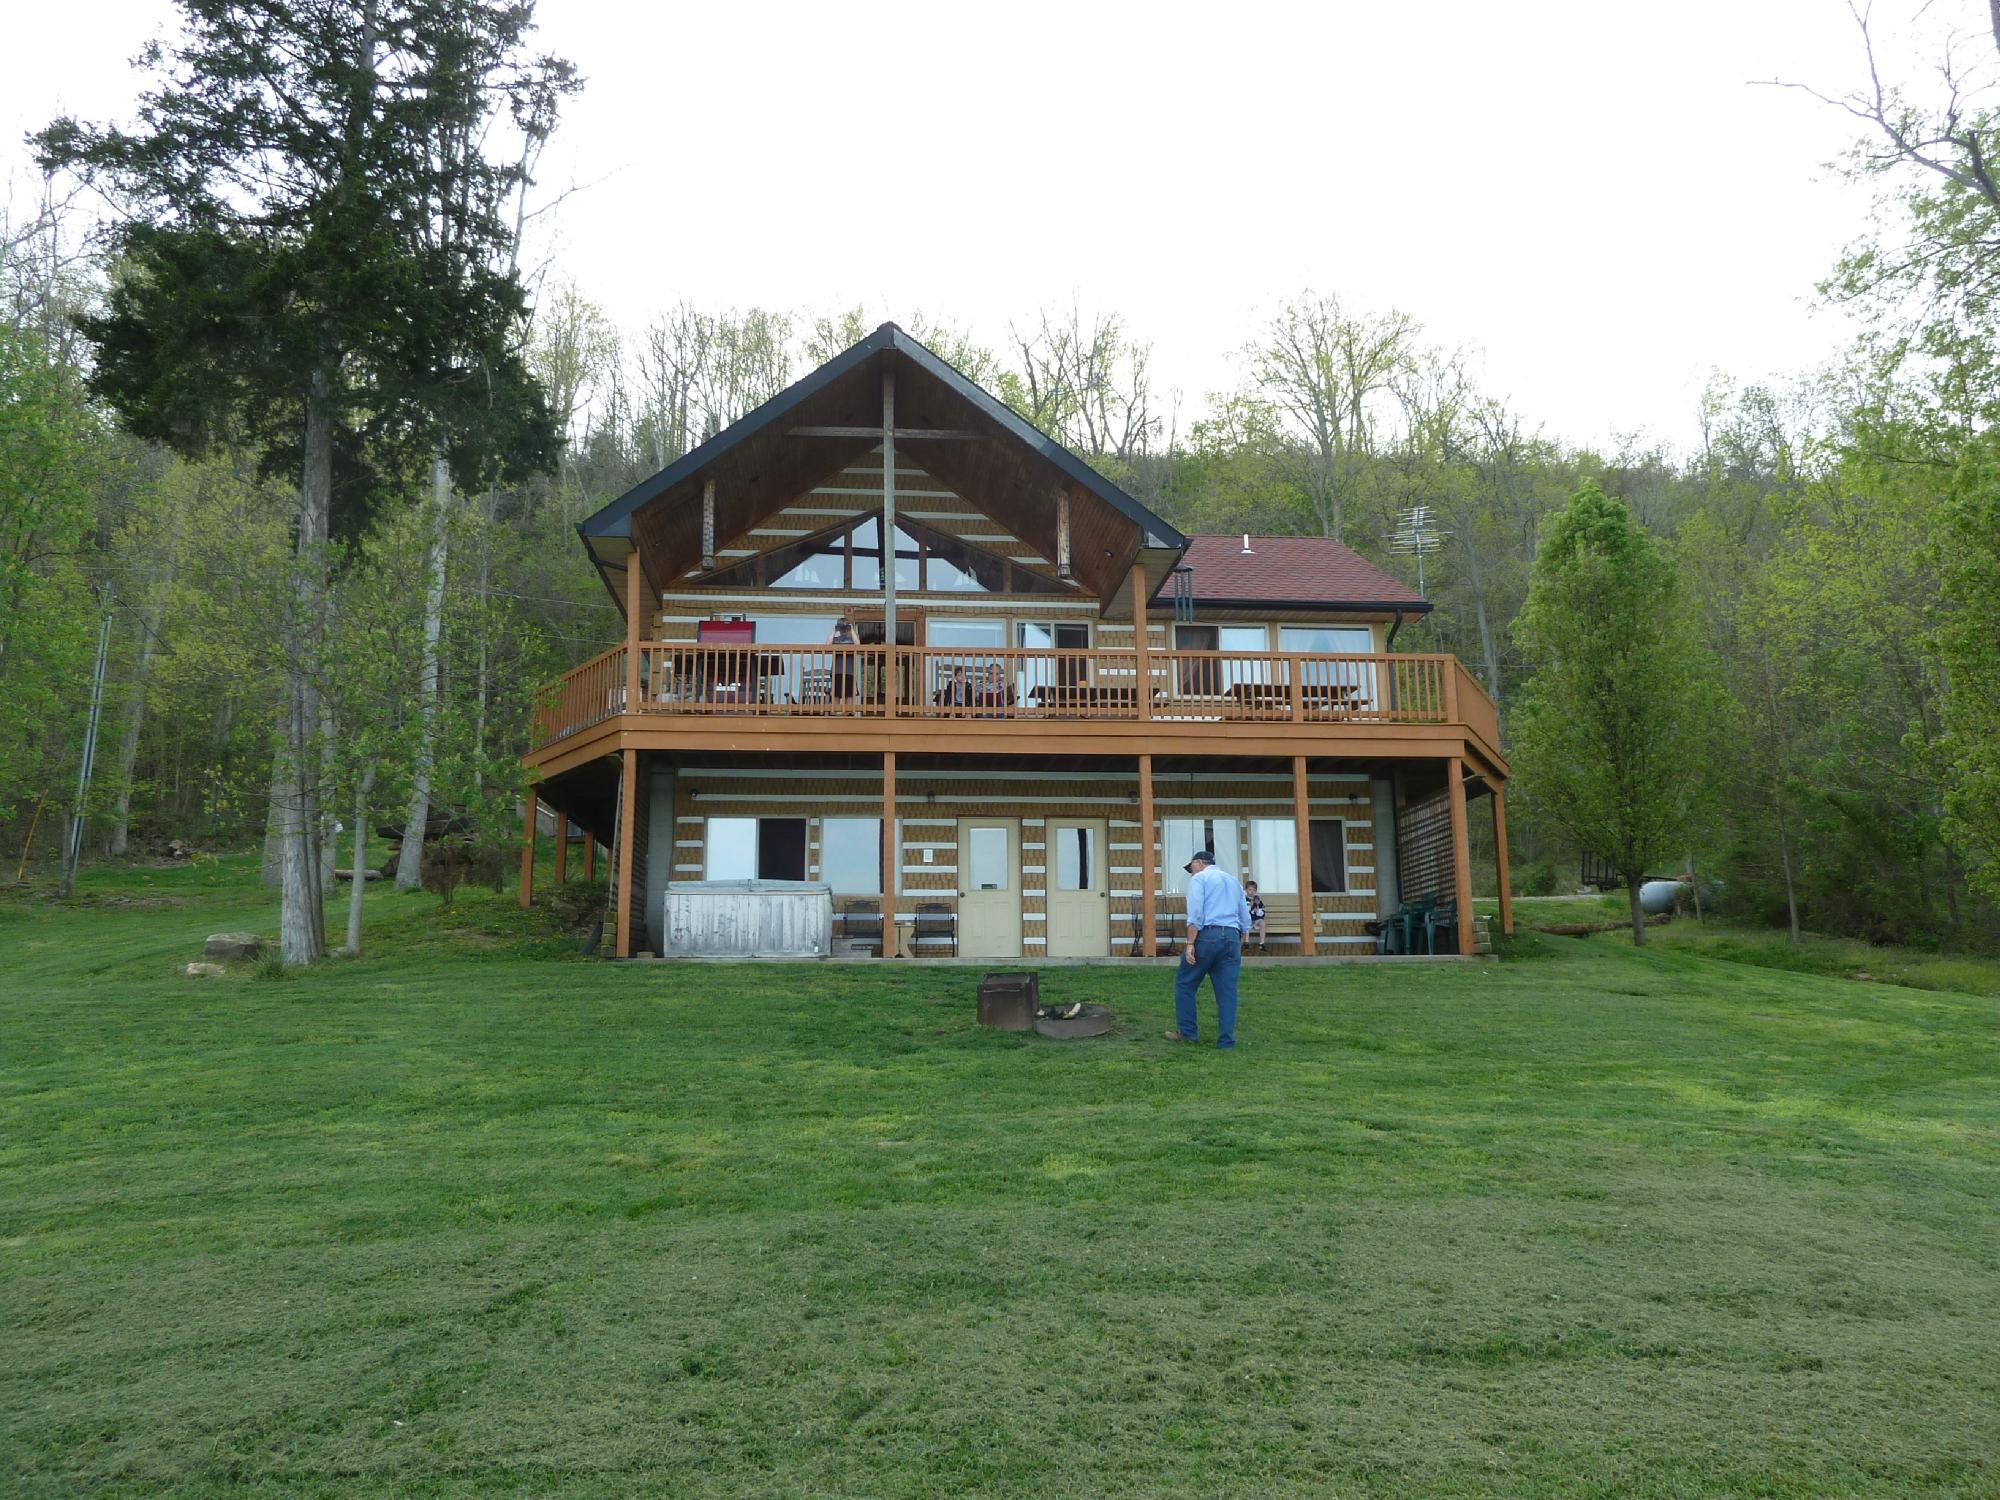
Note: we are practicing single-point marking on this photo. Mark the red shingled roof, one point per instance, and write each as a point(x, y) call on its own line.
point(1300, 570)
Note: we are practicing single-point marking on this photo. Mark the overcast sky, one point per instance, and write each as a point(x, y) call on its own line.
point(1589, 195)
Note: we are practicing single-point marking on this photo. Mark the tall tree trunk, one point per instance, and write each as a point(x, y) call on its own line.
point(219, 725)
point(360, 872)
point(1954, 871)
point(142, 671)
point(135, 720)
point(485, 652)
point(1489, 656)
point(1785, 864)
point(1638, 915)
point(301, 909)
point(272, 872)
point(410, 863)
point(326, 836)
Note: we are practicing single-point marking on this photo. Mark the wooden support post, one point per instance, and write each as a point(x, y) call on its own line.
point(633, 579)
point(1461, 851)
point(889, 517)
point(1149, 911)
point(562, 848)
point(621, 888)
point(1302, 818)
point(589, 857)
point(892, 854)
point(1142, 666)
point(527, 854)
point(1500, 856)
point(1062, 535)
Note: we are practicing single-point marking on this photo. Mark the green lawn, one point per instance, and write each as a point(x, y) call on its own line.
point(464, 1217)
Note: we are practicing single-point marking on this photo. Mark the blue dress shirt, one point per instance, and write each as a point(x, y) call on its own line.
point(1215, 899)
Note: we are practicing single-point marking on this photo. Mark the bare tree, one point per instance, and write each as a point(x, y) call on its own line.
point(1088, 385)
point(1327, 371)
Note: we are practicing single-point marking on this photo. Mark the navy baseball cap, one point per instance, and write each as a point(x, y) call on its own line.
point(1201, 856)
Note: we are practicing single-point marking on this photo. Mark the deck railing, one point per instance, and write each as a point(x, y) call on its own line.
point(995, 683)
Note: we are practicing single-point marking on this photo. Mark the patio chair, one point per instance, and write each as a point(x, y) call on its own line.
point(861, 920)
point(1442, 917)
point(935, 920)
point(1409, 924)
point(816, 685)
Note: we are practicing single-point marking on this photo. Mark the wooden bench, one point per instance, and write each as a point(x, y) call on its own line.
point(1318, 698)
point(1114, 699)
point(1281, 917)
point(1281, 921)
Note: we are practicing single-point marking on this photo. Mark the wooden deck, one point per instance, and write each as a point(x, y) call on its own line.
point(1111, 702)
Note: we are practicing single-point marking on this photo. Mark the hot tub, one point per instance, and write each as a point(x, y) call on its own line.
point(748, 919)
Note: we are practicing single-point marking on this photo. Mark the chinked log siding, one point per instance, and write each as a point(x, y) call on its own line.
point(1423, 849)
point(931, 803)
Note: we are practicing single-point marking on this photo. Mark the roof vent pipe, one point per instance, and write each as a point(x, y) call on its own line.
point(1246, 545)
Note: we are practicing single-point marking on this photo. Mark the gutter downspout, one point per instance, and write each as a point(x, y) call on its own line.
point(1390, 643)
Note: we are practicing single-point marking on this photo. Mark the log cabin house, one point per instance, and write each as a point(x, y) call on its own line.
point(1050, 696)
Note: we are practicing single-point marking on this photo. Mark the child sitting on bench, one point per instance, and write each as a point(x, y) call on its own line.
point(1256, 914)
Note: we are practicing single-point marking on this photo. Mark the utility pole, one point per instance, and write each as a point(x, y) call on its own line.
point(73, 848)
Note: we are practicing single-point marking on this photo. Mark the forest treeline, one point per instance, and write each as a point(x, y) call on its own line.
point(1833, 542)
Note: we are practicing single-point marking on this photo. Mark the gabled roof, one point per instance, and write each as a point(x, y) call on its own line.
point(614, 520)
point(1304, 572)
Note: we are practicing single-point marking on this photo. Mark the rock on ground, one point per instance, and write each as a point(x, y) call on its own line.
point(228, 945)
point(204, 971)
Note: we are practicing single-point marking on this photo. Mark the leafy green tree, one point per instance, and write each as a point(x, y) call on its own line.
point(308, 267)
point(1968, 638)
point(1612, 733)
point(51, 450)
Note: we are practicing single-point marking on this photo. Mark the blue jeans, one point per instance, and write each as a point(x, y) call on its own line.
point(1218, 953)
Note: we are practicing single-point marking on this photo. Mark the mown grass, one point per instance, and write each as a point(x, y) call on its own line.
point(464, 1218)
point(1739, 942)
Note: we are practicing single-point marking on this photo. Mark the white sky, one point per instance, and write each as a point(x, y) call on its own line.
point(1589, 195)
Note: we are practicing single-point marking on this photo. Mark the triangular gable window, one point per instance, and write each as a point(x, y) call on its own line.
point(848, 557)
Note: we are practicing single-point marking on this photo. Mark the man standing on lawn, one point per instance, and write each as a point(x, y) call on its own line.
point(1217, 917)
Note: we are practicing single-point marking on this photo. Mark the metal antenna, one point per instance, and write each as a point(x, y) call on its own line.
point(1416, 534)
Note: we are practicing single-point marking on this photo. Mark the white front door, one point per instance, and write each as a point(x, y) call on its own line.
point(1079, 890)
point(989, 888)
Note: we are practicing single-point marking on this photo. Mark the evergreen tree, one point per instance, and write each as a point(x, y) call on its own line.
point(308, 266)
point(1612, 732)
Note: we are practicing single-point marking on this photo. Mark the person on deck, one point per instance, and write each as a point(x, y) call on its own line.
point(842, 679)
point(956, 690)
point(1217, 918)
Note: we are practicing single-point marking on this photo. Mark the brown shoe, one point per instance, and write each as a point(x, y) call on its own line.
point(1175, 1036)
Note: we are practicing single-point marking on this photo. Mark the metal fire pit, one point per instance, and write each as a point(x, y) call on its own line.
point(1008, 1001)
point(1092, 1020)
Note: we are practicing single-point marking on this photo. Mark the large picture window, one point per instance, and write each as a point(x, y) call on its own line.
point(1329, 854)
point(1274, 856)
point(848, 557)
point(1185, 835)
point(850, 855)
point(1210, 678)
point(756, 849)
point(1340, 684)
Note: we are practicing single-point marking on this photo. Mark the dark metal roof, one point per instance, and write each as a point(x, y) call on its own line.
point(615, 519)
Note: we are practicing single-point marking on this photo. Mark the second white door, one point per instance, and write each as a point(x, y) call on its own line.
point(1079, 890)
